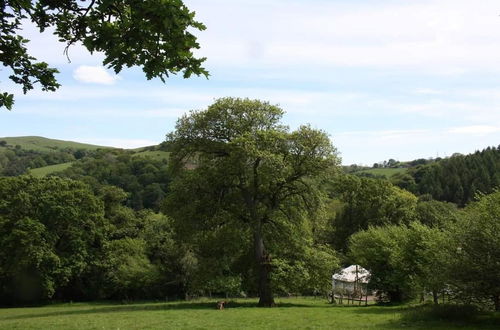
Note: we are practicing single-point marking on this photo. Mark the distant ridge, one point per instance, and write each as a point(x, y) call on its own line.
point(39, 143)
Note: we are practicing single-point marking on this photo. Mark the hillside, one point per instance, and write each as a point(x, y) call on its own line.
point(38, 143)
point(49, 169)
point(387, 172)
point(154, 154)
point(19, 155)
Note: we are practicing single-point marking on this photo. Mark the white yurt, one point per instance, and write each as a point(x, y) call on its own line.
point(350, 283)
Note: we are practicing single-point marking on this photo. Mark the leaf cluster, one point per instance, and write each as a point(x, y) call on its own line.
point(153, 34)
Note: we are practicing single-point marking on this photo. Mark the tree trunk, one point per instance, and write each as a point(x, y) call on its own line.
point(435, 297)
point(496, 301)
point(264, 266)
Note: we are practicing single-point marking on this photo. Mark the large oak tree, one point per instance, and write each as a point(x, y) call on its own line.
point(237, 165)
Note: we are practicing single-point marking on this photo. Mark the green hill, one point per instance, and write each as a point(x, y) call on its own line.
point(154, 154)
point(38, 143)
point(46, 170)
point(387, 172)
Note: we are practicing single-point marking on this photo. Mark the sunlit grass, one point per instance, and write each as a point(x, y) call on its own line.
point(46, 170)
point(290, 313)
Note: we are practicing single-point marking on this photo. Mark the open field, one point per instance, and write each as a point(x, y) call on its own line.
point(291, 313)
point(38, 143)
point(388, 172)
point(156, 154)
point(46, 170)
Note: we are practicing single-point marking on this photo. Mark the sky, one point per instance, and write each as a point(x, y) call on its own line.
point(385, 79)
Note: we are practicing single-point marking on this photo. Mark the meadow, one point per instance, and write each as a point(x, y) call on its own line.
point(46, 170)
point(290, 313)
point(387, 172)
point(38, 143)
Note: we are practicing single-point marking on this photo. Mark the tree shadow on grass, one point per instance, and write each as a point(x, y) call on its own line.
point(441, 316)
point(74, 310)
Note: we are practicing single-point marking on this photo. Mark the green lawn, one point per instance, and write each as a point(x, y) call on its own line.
point(46, 170)
point(291, 313)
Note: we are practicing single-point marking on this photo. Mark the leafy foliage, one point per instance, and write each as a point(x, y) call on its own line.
point(153, 34)
point(402, 259)
point(456, 179)
point(368, 202)
point(50, 230)
point(247, 170)
point(144, 179)
point(474, 262)
point(17, 161)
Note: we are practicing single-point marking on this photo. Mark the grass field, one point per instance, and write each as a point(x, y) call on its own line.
point(388, 172)
point(157, 154)
point(291, 313)
point(46, 170)
point(38, 143)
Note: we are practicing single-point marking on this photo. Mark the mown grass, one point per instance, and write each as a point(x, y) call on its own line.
point(46, 170)
point(38, 143)
point(291, 313)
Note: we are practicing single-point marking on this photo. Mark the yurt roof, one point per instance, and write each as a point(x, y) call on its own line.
point(349, 274)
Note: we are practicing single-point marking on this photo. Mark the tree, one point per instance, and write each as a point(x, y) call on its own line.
point(376, 249)
point(402, 259)
point(51, 229)
point(368, 202)
point(436, 214)
point(129, 273)
point(247, 170)
point(474, 256)
point(154, 34)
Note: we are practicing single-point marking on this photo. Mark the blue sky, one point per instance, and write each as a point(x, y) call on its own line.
point(386, 79)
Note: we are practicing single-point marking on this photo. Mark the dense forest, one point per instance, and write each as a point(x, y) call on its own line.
point(235, 204)
point(145, 179)
point(457, 179)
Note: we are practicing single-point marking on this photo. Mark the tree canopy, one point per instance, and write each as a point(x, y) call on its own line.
point(238, 166)
point(474, 262)
point(153, 34)
point(50, 230)
point(368, 202)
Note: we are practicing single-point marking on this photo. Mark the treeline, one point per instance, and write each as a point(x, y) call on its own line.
point(456, 179)
point(144, 179)
point(244, 206)
point(59, 240)
point(416, 246)
point(14, 160)
point(457, 258)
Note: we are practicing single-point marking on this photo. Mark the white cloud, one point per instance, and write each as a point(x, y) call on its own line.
point(428, 91)
point(474, 129)
point(94, 75)
point(440, 36)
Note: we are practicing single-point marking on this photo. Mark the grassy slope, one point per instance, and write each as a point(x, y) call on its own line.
point(388, 172)
point(46, 170)
point(294, 313)
point(38, 143)
point(157, 155)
